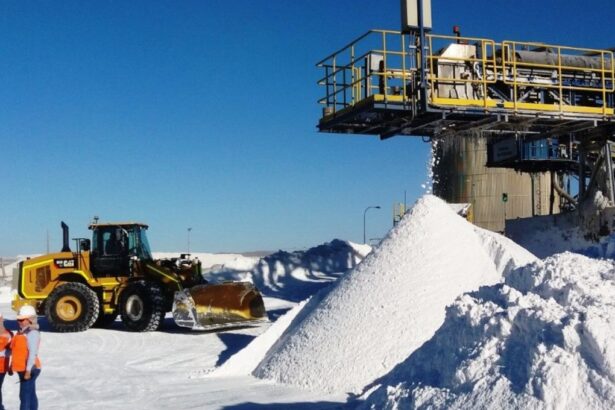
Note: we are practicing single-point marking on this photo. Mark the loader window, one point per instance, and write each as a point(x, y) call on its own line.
point(110, 252)
point(116, 242)
point(138, 241)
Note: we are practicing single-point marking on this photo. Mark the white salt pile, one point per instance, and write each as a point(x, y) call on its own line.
point(297, 275)
point(548, 235)
point(543, 340)
point(376, 315)
point(214, 259)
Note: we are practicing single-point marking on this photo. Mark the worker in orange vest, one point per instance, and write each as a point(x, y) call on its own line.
point(24, 357)
point(5, 353)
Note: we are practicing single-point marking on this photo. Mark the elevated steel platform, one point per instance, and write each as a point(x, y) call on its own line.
point(372, 86)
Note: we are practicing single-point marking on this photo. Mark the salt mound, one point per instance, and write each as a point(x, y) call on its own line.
point(379, 313)
point(247, 359)
point(548, 235)
point(295, 276)
point(543, 340)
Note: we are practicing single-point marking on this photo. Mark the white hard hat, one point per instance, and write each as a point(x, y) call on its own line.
point(26, 312)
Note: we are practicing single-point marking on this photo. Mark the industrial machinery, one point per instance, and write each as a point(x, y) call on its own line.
point(115, 273)
point(526, 121)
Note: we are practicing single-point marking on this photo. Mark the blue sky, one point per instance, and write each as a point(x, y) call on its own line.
point(203, 114)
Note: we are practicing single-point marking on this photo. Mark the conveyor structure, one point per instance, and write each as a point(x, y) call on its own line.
point(541, 108)
point(372, 86)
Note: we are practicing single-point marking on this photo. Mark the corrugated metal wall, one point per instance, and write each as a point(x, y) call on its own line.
point(460, 175)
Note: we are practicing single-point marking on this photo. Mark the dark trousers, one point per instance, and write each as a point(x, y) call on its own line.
point(27, 390)
point(1, 381)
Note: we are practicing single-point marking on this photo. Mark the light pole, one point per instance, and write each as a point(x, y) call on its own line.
point(364, 213)
point(189, 229)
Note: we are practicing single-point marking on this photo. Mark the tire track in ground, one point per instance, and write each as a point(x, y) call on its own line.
point(98, 354)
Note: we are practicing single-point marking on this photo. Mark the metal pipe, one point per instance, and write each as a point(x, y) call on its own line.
point(365, 213)
point(563, 193)
point(567, 60)
point(581, 172)
point(592, 179)
point(423, 86)
point(65, 245)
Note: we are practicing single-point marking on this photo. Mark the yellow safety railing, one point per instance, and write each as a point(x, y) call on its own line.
point(378, 65)
point(384, 66)
point(512, 63)
point(485, 55)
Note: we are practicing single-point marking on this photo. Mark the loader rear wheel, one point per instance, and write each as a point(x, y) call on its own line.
point(72, 307)
point(142, 307)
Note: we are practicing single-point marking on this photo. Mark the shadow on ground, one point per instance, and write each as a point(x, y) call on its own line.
point(234, 342)
point(274, 314)
point(168, 326)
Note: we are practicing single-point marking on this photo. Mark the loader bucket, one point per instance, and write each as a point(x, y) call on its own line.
point(213, 306)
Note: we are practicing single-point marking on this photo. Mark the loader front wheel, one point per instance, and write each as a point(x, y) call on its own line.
point(142, 306)
point(72, 307)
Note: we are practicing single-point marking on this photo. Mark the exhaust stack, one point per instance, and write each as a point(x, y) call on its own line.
point(65, 247)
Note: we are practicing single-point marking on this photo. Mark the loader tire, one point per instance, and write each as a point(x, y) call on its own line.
point(142, 306)
point(72, 307)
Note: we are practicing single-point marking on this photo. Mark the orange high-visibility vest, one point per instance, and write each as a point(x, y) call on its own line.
point(5, 344)
point(19, 347)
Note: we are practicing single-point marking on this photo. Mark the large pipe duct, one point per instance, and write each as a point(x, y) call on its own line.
point(65, 247)
point(567, 60)
point(561, 192)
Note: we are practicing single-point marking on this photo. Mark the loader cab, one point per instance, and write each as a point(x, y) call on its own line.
point(114, 245)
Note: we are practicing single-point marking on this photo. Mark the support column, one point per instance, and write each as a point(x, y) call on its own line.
point(552, 193)
point(533, 194)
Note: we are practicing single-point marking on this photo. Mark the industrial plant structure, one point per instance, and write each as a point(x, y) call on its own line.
point(518, 128)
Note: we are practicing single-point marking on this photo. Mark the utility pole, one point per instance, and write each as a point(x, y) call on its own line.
point(189, 230)
point(364, 213)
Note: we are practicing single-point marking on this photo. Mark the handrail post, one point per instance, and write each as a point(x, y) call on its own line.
point(560, 79)
point(484, 52)
point(403, 68)
point(327, 94)
point(344, 88)
point(353, 78)
point(385, 80)
point(603, 74)
point(432, 86)
point(334, 84)
point(514, 57)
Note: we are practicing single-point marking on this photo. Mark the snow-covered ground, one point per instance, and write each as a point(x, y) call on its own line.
point(440, 315)
point(116, 369)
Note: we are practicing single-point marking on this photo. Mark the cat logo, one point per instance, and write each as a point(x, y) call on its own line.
point(64, 263)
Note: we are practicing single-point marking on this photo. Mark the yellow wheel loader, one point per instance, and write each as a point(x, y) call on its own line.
point(115, 273)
